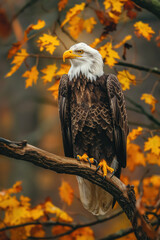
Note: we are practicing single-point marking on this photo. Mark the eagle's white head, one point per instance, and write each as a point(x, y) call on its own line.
point(84, 59)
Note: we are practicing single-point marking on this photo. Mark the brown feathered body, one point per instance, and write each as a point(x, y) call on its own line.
point(94, 121)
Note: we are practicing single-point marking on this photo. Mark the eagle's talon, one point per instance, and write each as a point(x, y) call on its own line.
point(97, 169)
point(95, 162)
point(85, 158)
point(104, 167)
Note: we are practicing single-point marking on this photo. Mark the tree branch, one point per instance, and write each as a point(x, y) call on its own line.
point(152, 6)
point(123, 194)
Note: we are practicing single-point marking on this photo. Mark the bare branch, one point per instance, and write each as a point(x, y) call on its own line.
point(123, 194)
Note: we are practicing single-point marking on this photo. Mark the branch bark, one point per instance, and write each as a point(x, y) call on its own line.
point(123, 194)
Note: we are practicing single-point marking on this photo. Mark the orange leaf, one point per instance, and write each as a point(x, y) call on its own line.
point(17, 61)
point(62, 4)
point(109, 54)
point(37, 212)
point(143, 29)
point(152, 158)
point(66, 193)
point(126, 78)
point(127, 38)
point(73, 12)
point(40, 24)
point(31, 76)
point(153, 144)
point(135, 156)
point(149, 99)
point(114, 5)
point(134, 134)
point(50, 72)
point(48, 43)
point(75, 26)
point(54, 89)
point(63, 70)
point(88, 24)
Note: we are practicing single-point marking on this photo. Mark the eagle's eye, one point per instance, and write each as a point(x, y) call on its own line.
point(80, 51)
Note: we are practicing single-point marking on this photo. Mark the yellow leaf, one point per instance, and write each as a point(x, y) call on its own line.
point(97, 41)
point(134, 134)
point(17, 61)
point(62, 4)
point(88, 24)
point(63, 70)
point(25, 201)
point(143, 29)
point(48, 43)
point(114, 5)
point(75, 26)
point(126, 78)
point(109, 54)
point(50, 72)
point(73, 12)
point(31, 76)
point(127, 38)
point(63, 216)
point(40, 24)
point(149, 99)
point(37, 212)
point(135, 157)
point(16, 215)
point(152, 158)
point(54, 89)
point(153, 144)
point(66, 193)
point(9, 202)
point(16, 188)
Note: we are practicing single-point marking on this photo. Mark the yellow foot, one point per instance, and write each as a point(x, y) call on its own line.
point(85, 158)
point(104, 167)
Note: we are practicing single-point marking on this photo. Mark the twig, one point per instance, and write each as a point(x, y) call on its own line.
point(138, 67)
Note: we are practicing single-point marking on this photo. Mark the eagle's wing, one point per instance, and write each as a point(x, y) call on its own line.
point(119, 116)
point(64, 113)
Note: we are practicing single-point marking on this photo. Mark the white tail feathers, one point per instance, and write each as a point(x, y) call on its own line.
point(94, 199)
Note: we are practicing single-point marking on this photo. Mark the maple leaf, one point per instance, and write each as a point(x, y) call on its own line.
point(31, 76)
point(134, 134)
point(63, 216)
point(97, 41)
point(48, 43)
point(37, 212)
point(38, 232)
point(17, 61)
point(54, 89)
point(16, 215)
point(126, 79)
point(109, 54)
point(62, 4)
point(73, 12)
point(9, 202)
point(153, 144)
point(40, 24)
point(50, 72)
point(63, 70)
point(149, 99)
point(143, 29)
point(127, 38)
point(75, 26)
point(88, 24)
point(66, 193)
point(135, 157)
point(152, 158)
point(114, 5)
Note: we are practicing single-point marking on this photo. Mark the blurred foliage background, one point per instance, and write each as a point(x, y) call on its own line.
point(32, 113)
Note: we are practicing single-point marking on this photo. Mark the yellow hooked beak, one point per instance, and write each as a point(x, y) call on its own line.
point(70, 55)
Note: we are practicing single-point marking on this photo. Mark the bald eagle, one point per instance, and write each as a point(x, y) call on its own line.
point(93, 121)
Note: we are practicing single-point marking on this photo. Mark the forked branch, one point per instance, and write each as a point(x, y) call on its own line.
point(124, 195)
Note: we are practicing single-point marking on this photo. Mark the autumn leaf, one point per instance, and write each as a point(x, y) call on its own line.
point(75, 26)
point(50, 72)
point(88, 24)
point(143, 29)
point(149, 99)
point(54, 89)
point(40, 24)
point(109, 54)
point(152, 158)
point(66, 193)
point(37, 212)
point(114, 5)
point(62, 4)
point(134, 134)
point(126, 79)
point(73, 12)
point(38, 231)
point(153, 144)
point(63, 70)
point(31, 76)
point(135, 156)
point(48, 43)
point(97, 41)
point(127, 38)
point(17, 61)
